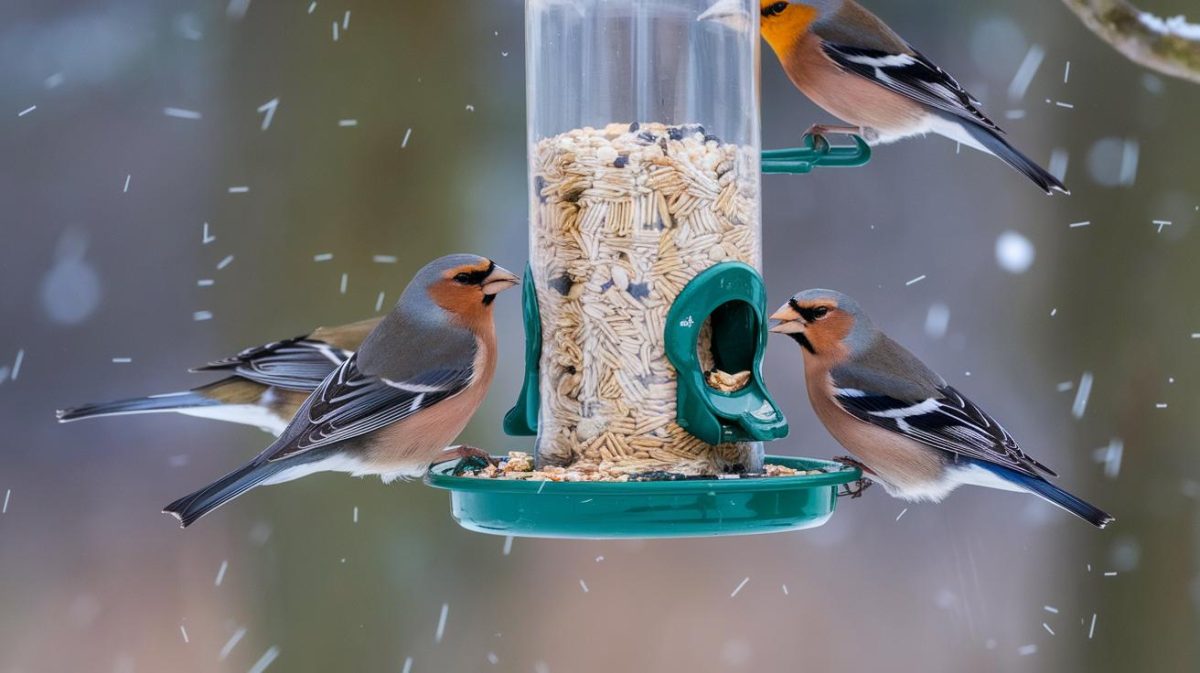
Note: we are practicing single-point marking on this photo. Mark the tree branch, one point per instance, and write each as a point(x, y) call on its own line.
point(1168, 46)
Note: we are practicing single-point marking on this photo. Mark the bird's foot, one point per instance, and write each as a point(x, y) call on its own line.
point(855, 490)
point(850, 461)
point(820, 131)
point(470, 459)
point(817, 137)
point(835, 129)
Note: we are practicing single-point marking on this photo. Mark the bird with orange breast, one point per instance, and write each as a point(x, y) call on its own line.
point(393, 406)
point(264, 385)
point(906, 427)
point(849, 62)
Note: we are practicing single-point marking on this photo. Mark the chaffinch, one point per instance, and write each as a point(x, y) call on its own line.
point(264, 386)
point(392, 407)
point(858, 69)
point(907, 428)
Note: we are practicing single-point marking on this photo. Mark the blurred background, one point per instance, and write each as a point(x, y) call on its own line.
point(136, 158)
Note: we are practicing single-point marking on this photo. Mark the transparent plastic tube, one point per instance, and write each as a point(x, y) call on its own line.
point(644, 172)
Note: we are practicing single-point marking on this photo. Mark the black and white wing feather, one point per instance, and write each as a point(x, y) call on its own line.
point(911, 75)
point(946, 421)
point(299, 364)
point(351, 403)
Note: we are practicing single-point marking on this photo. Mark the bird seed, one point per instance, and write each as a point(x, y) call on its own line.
point(624, 218)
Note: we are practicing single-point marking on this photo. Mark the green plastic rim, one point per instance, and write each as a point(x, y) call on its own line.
point(646, 509)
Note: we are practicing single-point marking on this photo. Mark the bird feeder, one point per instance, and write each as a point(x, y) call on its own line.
point(645, 310)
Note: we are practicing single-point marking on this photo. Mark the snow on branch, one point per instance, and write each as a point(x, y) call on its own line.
point(1169, 46)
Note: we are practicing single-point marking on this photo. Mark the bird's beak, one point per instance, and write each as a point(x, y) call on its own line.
point(499, 280)
point(786, 321)
point(731, 13)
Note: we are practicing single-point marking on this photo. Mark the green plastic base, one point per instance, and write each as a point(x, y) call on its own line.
point(648, 509)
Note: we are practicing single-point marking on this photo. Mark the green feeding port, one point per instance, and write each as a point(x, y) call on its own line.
point(521, 420)
point(647, 509)
point(730, 300)
point(816, 151)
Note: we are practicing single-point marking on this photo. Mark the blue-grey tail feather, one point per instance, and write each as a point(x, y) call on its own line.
point(1053, 494)
point(996, 144)
point(191, 507)
point(136, 405)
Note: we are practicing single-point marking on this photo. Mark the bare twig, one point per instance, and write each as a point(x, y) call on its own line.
point(1168, 46)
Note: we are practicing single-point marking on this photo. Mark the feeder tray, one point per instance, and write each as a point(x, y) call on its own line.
point(646, 509)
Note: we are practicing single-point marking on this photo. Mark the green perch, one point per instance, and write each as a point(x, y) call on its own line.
point(815, 151)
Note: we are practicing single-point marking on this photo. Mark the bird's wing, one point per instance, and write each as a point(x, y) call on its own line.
point(295, 364)
point(913, 76)
point(945, 420)
point(350, 403)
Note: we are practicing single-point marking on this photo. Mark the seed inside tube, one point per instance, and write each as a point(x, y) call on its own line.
point(623, 218)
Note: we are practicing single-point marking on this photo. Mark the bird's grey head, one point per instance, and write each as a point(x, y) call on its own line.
point(447, 295)
point(440, 268)
point(824, 322)
point(437, 318)
point(459, 284)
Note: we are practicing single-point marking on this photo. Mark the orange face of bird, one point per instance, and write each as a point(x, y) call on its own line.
point(469, 290)
point(819, 325)
point(782, 23)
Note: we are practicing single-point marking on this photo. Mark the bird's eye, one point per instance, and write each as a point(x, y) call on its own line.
point(464, 278)
point(820, 312)
point(774, 9)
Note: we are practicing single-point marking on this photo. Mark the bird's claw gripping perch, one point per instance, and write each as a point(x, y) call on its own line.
point(822, 130)
point(849, 462)
point(470, 459)
point(816, 150)
point(856, 489)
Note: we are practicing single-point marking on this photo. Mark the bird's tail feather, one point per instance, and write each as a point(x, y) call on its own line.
point(136, 405)
point(996, 144)
point(1056, 496)
point(191, 507)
